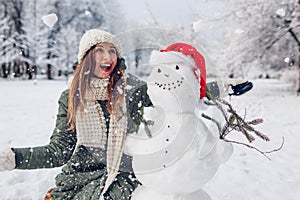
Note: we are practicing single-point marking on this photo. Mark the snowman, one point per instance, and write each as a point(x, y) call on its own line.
point(183, 153)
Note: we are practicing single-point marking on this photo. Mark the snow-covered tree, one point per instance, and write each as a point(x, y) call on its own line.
point(52, 48)
point(242, 31)
point(3, 38)
point(15, 48)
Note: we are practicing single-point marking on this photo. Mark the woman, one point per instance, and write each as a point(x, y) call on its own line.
point(91, 126)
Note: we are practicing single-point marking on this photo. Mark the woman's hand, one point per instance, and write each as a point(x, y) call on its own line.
point(7, 160)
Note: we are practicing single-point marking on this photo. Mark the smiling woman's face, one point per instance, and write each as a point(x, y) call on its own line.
point(105, 59)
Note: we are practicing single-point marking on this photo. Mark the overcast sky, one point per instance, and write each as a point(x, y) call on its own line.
point(168, 11)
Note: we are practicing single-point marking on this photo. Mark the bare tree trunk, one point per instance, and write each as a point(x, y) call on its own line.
point(298, 91)
point(298, 42)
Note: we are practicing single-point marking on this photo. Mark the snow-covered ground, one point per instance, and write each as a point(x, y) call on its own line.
point(27, 118)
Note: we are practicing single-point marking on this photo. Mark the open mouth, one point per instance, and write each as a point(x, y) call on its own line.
point(106, 67)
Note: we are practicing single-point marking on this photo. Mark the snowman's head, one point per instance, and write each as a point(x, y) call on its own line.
point(174, 80)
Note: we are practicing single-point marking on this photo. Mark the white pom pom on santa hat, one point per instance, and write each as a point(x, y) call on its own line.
point(182, 53)
point(170, 57)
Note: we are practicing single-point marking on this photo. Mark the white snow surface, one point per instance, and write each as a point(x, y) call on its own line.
point(27, 118)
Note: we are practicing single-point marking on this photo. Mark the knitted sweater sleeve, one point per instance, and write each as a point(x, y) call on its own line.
point(58, 151)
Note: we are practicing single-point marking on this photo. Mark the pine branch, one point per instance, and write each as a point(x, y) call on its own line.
point(244, 126)
point(233, 121)
point(255, 121)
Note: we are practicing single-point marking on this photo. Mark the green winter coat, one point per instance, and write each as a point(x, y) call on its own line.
point(83, 176)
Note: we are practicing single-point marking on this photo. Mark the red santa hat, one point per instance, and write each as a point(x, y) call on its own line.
point(185, 54)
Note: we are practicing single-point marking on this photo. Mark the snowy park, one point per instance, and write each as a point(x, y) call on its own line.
point(28, 111)
point(45, 43)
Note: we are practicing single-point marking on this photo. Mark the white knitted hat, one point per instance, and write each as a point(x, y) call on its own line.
point(94, 36)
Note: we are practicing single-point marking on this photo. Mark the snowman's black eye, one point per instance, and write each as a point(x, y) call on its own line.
point(177, 67)
point(158, 70)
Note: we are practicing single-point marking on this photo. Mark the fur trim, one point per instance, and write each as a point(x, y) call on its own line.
point(158, 57)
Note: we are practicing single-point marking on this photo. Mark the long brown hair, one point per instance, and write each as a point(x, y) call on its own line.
point(80, 83)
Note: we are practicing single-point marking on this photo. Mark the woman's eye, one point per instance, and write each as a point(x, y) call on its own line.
point(158, 70)
point(112, 51)
point(177, 67)
point(99, 50)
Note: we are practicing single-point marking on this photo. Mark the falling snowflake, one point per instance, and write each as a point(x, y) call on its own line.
point(280, 12)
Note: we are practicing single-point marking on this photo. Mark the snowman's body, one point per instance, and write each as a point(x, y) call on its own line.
point(183, 154)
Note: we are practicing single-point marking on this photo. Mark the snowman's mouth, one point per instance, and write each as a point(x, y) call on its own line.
point(171, 85)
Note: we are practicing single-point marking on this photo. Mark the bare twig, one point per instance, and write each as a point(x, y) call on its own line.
point(247, 145)
point(213, 120)
point(279, 148)
point(253, 147)
point(151, 14)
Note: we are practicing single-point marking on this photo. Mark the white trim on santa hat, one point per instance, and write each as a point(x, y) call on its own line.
point(158, 57)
